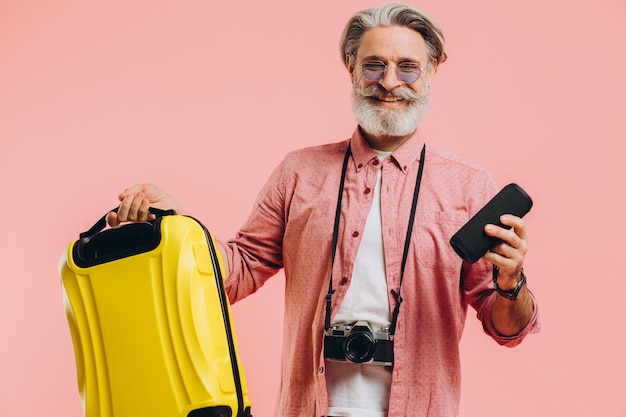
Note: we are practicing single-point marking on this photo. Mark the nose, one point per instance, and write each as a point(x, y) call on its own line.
point(390, 78)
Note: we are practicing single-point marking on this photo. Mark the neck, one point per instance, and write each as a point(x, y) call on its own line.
point(384, 143)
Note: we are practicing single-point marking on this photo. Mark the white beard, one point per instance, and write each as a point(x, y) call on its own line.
point(379, 121)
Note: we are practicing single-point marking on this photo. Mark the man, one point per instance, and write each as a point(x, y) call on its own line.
point(392, 53)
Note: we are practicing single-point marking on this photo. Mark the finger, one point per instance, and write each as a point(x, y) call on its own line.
point(131, 191)
point(504, 252)
point(112, 219)
point(506, 255)
point(508, 236)
point(501, 233)
point(123, 209)
point(135, 205)
point(507, 266)
point(516, 223)
point(131, 199)
point(143, 212)
point(507, 272)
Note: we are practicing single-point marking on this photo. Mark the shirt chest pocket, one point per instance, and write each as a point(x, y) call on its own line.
point(432, 235)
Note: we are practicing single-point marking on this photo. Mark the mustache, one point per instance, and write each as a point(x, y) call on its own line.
point(377, 91)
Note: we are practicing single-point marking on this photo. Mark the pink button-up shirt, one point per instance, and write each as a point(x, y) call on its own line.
point(291, 227)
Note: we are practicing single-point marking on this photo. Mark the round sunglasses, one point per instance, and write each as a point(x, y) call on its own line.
point(407, 72)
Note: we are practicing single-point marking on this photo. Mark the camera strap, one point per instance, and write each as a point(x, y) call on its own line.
point(407, 241)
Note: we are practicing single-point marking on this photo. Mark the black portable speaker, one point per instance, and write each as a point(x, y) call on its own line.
point(471, 242)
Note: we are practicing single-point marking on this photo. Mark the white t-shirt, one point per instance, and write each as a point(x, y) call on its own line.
point(363, 389)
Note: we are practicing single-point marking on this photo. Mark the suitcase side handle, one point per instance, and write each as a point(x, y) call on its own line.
point(101, 224)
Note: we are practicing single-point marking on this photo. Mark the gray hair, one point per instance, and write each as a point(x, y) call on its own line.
point(393, 14)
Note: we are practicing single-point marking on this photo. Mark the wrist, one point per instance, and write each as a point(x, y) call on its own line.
point(510, 293)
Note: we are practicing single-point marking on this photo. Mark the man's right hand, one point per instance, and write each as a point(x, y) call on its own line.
point(135, 202)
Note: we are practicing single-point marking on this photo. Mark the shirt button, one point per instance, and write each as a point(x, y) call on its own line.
point(344, 280)
point(355, 234)
point(376, 161)
point(360, 166)
point(367, 190)
point(321, 369)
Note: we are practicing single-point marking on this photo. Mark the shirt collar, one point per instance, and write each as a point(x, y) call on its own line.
point(404, 156)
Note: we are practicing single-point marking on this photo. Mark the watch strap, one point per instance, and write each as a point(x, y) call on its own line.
point(509, 294)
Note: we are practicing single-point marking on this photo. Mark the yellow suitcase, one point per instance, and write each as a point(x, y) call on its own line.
point(150, 322)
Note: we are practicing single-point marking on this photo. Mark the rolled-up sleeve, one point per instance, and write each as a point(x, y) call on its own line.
point(484, 315)
point(255, 254)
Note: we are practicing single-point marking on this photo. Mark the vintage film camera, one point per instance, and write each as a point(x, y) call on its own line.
point(358, 343)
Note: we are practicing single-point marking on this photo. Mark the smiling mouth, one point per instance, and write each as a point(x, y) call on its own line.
point(387, 99)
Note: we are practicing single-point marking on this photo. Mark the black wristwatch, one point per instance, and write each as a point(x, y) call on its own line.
point(509, 294)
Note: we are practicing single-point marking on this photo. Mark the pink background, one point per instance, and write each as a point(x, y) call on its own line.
point(205, 97)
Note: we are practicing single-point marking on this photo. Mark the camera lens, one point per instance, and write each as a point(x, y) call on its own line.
point(359, 347)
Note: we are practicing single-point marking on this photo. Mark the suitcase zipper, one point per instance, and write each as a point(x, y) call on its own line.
point(229, 331)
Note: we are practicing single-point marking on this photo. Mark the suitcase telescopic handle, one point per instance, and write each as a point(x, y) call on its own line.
point(101, 224)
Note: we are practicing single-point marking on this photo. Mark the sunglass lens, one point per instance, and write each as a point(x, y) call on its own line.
point(408, 77)
point(372, 74)
point(373, 71)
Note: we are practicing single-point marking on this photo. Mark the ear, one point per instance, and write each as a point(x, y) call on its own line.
point(434, 64)
point(432, 70)
point(349, 64)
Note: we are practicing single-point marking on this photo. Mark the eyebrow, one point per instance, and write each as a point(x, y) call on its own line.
point(380, 58)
